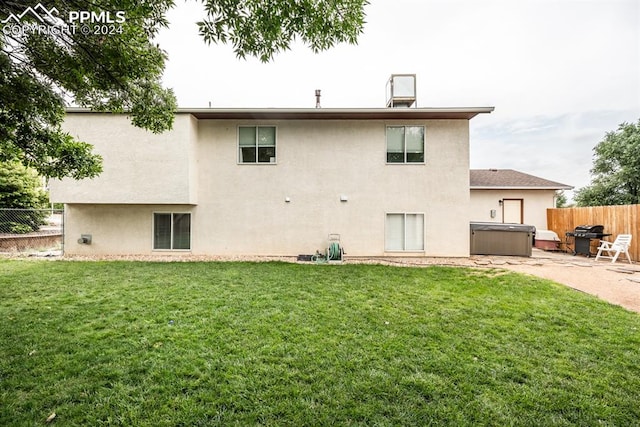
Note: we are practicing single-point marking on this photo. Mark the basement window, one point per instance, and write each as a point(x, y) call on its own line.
point(404, 232)
point(405, 144)
point(256, 144)
point(172, 231)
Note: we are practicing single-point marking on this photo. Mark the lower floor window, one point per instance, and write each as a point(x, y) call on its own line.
point(404, 232)
point(171, 231)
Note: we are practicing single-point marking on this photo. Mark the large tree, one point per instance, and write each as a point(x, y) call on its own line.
point(616, 169)
point(109, 62)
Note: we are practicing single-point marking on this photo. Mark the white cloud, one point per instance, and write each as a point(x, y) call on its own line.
point(559, 148)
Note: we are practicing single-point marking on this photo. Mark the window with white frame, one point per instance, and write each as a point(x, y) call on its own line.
point(172, 231)
point(404, 232)
point(405, 144)
point(257, 144)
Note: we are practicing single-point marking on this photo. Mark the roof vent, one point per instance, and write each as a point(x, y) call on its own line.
point(401, 90)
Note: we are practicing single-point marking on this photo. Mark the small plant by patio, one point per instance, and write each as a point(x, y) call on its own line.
point(132, 343)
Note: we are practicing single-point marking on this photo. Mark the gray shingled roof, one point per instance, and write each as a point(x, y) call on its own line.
point(511, 179)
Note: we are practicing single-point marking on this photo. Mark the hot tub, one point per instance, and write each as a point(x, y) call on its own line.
point(495, 238)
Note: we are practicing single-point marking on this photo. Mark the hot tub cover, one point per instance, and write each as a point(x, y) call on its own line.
point(500, 226)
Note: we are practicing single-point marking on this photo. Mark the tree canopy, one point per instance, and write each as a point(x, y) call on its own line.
point(263, 28)
point(561, 199)
point(616, 169)
point(107, 60)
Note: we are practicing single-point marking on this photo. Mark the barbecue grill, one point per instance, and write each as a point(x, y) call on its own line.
point(580, 238)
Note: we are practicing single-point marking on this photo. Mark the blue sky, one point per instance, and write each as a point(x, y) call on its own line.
point(560, 73)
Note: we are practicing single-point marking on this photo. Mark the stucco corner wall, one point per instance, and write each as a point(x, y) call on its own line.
point(139, 166)
point(114, 229)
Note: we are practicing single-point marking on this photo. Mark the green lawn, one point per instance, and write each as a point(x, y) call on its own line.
point(195, 344)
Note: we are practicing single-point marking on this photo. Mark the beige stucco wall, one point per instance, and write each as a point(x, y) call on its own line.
point(535, 205)
point(317, 163)
point(139, 166)
point(114, 229)
point(240, 209)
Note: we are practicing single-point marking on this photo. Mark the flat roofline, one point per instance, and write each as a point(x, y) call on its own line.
point(521, 187)
point(327, 113)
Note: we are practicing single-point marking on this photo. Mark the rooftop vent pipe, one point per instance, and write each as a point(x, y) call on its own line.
point(317, 98)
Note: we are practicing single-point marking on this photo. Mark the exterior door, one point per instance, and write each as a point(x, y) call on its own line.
point(512, 211)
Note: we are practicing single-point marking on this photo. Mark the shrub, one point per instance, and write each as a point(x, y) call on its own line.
point(22, 197)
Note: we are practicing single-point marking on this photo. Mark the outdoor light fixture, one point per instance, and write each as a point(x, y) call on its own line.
point(500, 202)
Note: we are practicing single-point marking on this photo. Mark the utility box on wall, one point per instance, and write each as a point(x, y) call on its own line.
point(490, 238)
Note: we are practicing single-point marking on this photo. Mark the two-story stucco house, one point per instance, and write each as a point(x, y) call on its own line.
point(389, 181)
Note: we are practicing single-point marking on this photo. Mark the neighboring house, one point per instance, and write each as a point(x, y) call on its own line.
point(506, 195)
point(389, 181)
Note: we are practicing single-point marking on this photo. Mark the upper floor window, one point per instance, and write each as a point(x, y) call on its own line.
point(405, 144)
point(257, 144)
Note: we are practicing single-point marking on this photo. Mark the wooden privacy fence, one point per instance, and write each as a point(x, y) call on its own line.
point(623, 219)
